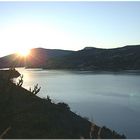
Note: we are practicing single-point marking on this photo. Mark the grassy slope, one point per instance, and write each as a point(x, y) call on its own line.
point(32, 117)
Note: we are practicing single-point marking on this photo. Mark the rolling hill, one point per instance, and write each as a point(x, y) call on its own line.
point(125, 58)
point(89, 58)
point(37, 58)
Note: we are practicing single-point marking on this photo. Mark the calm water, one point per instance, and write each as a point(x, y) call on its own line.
point(108, 99)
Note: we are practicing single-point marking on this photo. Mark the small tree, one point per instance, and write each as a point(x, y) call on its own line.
point(35, 90)
point(48, 98)
point(20, 81)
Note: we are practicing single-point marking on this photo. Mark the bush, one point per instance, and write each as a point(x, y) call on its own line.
point(64, 106)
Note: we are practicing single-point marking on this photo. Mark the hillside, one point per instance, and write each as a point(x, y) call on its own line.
point(11, 60)
point(89, 58)
point(37, 58)
point(25, 115)
point(125, 58)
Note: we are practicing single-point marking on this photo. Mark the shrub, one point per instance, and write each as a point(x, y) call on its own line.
point(35, 90)
point(64, 106)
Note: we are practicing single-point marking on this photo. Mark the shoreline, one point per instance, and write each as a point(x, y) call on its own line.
point(57, 111)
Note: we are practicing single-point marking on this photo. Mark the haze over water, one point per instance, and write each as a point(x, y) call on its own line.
point(110, 99)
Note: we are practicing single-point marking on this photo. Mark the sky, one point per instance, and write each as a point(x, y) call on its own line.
point(68, 25)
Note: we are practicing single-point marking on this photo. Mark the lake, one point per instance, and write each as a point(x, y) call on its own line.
point(109, 99)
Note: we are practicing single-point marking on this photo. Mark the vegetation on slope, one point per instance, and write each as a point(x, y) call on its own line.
point(125, 58)
point(25, 115)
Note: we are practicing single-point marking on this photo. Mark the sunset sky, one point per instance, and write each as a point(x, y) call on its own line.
point(68, 25)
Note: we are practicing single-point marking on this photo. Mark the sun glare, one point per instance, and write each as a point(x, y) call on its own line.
point(24, 53)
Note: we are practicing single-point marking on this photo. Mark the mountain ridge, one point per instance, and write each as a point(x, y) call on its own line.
point(88, 58)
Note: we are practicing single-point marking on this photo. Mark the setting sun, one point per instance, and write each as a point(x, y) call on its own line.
point(24, 53)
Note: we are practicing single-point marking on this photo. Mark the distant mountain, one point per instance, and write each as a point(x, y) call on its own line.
point(89, 58)
point(40, 56)
point(124, 58)
point(12, 60)
point(37, 58)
